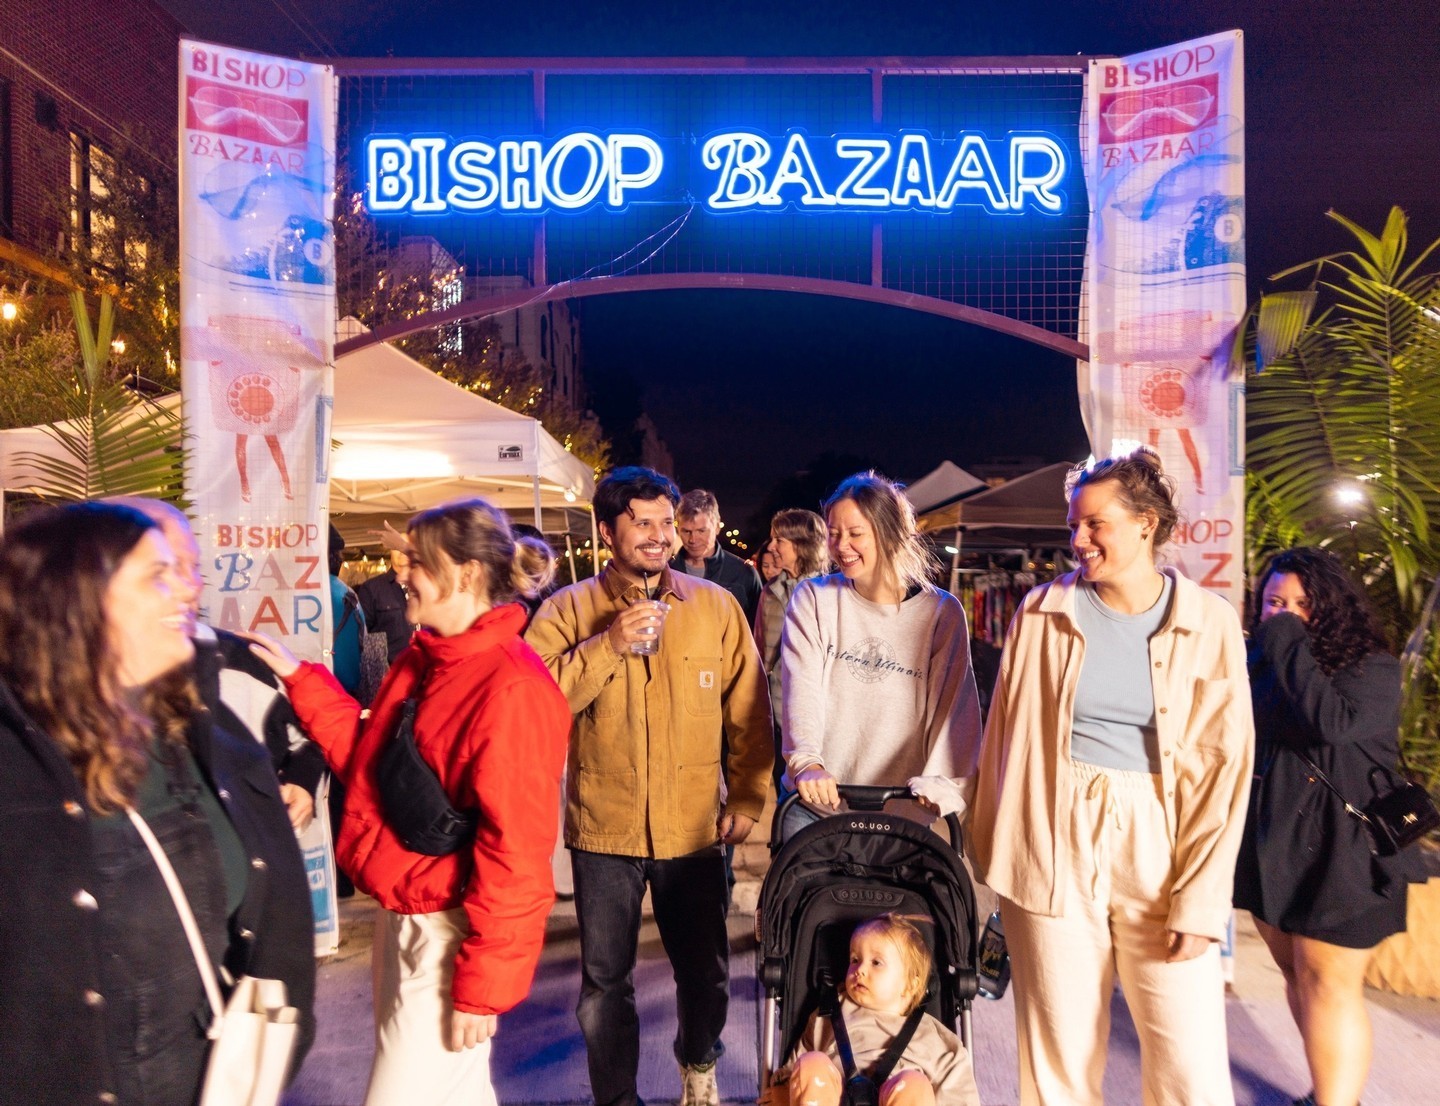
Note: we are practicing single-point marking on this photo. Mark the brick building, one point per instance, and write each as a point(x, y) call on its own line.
point(79, 82)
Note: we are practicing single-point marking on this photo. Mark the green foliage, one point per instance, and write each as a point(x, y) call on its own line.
point(38, 353)
point(1346, 402)
point(1351, 403)
point(113, 442)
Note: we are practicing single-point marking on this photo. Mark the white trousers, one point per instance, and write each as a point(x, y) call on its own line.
point(1063, 969)
point(413, 960)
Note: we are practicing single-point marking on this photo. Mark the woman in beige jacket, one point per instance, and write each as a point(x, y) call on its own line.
point(1110, 801)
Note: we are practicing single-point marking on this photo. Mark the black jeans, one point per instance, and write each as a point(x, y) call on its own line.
point(688, 896)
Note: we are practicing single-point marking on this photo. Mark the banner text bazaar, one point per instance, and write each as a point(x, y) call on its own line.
point(731, 171)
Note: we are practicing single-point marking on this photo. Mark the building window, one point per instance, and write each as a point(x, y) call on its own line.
point(93, 229)
point(544, 338)
point(448, 293)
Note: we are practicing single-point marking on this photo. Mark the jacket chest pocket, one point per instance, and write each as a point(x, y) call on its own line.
point(702, 686)
point(611, 700)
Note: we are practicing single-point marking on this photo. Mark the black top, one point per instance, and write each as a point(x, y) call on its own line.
point(382, 600)
point(737, 577)
point(1306, 866)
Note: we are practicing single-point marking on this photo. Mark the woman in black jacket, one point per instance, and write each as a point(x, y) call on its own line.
point(100, 997)
point(1326, 693)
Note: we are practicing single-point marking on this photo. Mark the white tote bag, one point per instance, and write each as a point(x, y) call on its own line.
point(317, 845)
point(253, 1037)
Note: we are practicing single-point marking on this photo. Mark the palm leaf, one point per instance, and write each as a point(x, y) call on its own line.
point(111, 441)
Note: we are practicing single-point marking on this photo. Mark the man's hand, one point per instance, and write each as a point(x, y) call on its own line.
point(640, 621)
point(734, 828)
point(1186, 946)
point(468, 1030)
point(298, 804)
point(818, 788)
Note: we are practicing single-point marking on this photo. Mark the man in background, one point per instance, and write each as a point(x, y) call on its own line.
point(698, 521)
point(382, 601)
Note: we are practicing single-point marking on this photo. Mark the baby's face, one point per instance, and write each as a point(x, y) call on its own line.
point(876, 978)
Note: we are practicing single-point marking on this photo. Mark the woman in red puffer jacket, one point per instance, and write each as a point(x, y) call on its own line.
point(461, 933)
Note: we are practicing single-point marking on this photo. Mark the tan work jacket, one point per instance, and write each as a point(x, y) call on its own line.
point(644, 777)
point(1020, 818)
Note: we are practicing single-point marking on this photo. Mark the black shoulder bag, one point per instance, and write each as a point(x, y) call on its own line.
point(1397, 816)
point(415, 805)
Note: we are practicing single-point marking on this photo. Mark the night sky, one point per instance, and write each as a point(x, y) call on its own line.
point(1343, 111)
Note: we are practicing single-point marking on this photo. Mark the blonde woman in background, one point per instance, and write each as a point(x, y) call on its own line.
point(797, 538)
point(875, 664)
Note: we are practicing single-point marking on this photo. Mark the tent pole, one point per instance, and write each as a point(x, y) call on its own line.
point(570, 550)
point(535, 483)
point(955, 563)
point(594, 544)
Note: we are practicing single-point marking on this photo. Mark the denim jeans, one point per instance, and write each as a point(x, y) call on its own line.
point(797, 817)
point(688, 896)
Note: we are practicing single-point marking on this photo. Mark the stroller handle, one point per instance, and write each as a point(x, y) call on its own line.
point(861, 797)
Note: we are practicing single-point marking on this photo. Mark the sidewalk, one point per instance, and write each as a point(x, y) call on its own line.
point(539, 1057)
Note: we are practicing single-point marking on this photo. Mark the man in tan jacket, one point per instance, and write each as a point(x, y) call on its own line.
point(645, 802)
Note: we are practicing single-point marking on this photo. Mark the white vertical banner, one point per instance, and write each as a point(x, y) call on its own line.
point(257, 339)
point(1165, 284)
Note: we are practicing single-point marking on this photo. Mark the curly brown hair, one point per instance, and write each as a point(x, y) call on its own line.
point(1342, 626)
point(56, 654)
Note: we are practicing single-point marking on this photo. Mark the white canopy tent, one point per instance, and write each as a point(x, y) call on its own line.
point(942, 484)
point(405, 440)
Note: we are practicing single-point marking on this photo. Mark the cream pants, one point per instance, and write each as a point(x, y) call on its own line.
point(1116, 904)
point(414, 960)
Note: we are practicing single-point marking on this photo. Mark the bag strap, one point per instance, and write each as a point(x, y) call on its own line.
point(187, 920)
point(350, 604)
point(1350, 808)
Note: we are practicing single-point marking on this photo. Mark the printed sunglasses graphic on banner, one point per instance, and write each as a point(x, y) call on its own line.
point(260, 118)
point(1160, 111)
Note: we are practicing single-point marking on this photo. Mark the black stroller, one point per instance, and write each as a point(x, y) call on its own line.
point(838, 872)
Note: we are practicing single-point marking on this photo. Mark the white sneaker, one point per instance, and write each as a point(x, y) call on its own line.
point(697, 1085)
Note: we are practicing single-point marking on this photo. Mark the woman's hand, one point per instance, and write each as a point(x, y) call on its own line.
point(280, 660)
point(298, 804)
point(1186, 946)
point(468, 1030)
point(818, 788)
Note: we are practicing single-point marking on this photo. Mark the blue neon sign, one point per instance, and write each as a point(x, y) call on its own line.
point(729, 171)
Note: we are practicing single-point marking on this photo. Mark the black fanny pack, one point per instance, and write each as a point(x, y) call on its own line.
point(415, 805)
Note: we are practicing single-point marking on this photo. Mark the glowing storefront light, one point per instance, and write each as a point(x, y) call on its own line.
point(737, 170)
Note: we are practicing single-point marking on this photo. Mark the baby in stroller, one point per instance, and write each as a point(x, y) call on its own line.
point(878, 1039)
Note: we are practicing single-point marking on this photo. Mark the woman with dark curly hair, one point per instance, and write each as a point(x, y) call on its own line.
point(1326, 694)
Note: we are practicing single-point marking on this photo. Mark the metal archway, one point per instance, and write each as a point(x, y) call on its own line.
point(526, 297)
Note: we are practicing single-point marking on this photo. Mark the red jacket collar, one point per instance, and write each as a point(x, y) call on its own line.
point(494, 627)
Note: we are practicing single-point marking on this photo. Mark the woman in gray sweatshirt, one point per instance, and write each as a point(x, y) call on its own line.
point(877, 686)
